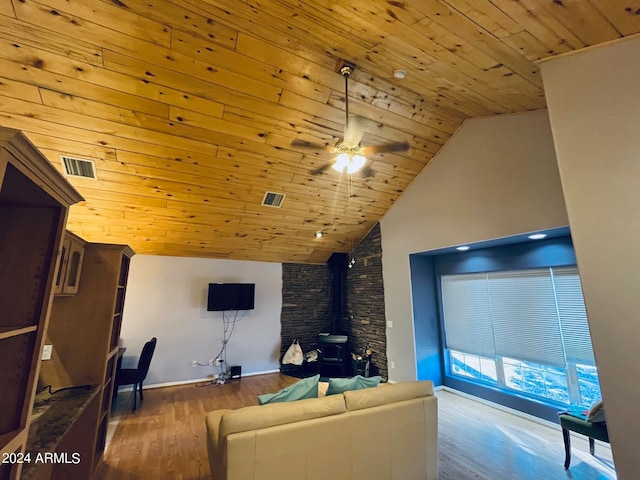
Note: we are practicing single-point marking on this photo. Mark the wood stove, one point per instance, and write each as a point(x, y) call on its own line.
point(333, 359)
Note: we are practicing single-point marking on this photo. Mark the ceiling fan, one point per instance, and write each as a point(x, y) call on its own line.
point(351, 156)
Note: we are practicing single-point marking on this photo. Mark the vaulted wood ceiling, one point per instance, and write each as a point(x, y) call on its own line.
point(189, 107)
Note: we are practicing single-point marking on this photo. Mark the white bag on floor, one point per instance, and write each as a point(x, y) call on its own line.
point(293, 355)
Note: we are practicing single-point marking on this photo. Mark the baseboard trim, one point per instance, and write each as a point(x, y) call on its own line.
point(190, 381)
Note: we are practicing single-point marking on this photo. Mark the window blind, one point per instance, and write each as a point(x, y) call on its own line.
point(467, 314)
point(524, 316)
point(533, 315)
point(573, 316)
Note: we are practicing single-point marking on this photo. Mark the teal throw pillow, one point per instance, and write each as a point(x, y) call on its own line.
point(306, 388)
point(341, 385)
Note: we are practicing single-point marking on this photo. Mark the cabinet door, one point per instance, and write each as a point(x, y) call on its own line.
point(74, 267)
point(62, 267)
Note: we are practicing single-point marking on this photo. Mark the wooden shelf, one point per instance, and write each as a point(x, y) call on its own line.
point(94, 315)
point(7, 332)
point(11, 441)
point(101, 440)
point(16, 382)
point(34, 203)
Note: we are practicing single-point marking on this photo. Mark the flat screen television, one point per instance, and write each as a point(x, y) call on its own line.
point(231, 296)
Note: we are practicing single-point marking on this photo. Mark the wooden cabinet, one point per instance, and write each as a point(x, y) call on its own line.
point(70, 267)
point(118, 258)
point(84, 331)
point(34, 202)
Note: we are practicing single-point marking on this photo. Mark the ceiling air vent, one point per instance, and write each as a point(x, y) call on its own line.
point(79, 167)
point(273, 199)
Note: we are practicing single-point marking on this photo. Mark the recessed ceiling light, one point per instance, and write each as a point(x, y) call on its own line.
point(399, 73)
point(537, 236)
point(463, 248)
point(319, 234)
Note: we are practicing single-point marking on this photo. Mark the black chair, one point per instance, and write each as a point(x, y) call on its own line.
point(135, 376)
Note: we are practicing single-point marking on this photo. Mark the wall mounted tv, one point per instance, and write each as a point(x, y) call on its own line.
point(231, 296)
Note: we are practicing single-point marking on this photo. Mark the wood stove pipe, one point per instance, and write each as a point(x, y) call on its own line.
point(337, 264)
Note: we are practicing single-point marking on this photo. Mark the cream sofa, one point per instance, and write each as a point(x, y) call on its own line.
point(384, 433)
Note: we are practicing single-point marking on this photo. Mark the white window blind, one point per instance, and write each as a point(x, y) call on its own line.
point(467, 316)
point(534, 315)
point(524, 316)
point(573, 316)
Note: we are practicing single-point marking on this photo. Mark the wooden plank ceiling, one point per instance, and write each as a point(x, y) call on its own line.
point(189, 107)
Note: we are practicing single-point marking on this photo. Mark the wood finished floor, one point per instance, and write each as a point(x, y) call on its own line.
point(165, 438)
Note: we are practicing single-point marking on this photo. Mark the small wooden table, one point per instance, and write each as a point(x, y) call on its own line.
point(576, 421)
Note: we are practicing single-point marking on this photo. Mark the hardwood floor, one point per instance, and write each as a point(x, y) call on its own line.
point(480, 442)
point(165, 438)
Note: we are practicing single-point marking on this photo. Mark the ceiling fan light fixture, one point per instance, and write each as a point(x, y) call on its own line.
point(356, 163)
point(349, 153)
point(349, 162)
point(342, 162)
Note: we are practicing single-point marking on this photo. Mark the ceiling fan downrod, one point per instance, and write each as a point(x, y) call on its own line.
point(346, 71)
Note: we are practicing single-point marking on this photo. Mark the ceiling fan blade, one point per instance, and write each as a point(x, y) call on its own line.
point(367, 172)
point(304, 144)
point(387, 148)
point(321, 169)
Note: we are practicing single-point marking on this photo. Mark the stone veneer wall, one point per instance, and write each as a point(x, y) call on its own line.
point(366, 321)
point(306, 304)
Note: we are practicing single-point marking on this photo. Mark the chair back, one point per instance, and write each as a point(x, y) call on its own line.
point(145, 358)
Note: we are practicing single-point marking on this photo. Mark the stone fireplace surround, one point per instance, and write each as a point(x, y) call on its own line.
point(307, 302)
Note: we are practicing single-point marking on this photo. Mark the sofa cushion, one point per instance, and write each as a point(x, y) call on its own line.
point(257, 417)
point(306, 388)
point(389, 393)
point(341, 385)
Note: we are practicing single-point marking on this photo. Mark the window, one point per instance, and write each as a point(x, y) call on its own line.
point(536, 379)
point(473, 366)
point(524, 331)
point(588, 384)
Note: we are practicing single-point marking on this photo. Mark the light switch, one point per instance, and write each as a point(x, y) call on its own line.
point(46, 352)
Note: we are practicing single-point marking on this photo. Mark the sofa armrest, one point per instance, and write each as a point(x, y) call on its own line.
point(212, 422)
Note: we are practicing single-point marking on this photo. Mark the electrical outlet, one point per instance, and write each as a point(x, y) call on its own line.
point(393, 364)
point(195, 363)
point(211, 361)
point(217, 361)
point(389, 324)
point(46, 352)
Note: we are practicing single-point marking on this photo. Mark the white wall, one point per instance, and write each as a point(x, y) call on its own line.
point(167, 298)
point(496, 177)
point(594, 105)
